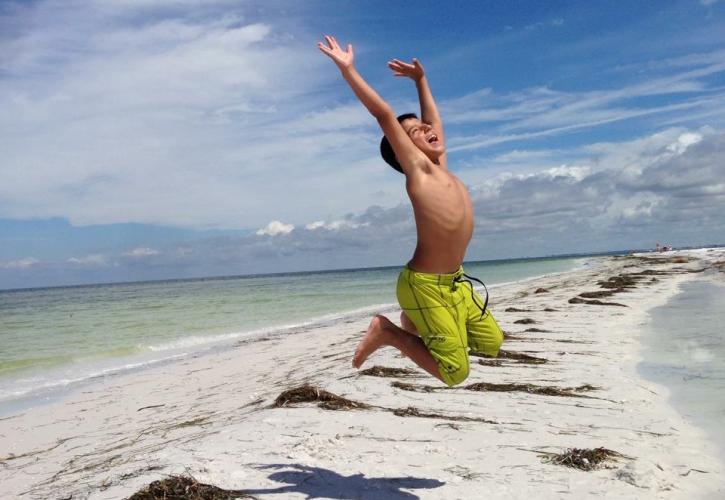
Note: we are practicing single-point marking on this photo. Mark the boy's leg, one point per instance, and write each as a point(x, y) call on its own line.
point(484, 334)
point(407, 325)
point(382, 332)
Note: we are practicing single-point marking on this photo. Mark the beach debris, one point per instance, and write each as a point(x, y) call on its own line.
point(541, 390)
point(450, 425)
point(516, 310)
point(185, 488)
point(620, 282)
point(598, 294)
point(384, 371)
point(579, 300)
point(490, 362)
point(411, 411)
point(537, 330)
point(518, 357)
point(307, 394)
point(541, 290)
point(463, 472)
point(581, 458)
point(550, 310)
point(414, 387)
point(525, 321)
point(150, 406)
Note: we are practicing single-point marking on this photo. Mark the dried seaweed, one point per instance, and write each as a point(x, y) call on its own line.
point(185, 488)
point(620, 282)
point(384, 371)
point(490, 362)
point(577, 300)
point(516, 310)
point(411, 411)
point(525, 321)
point(679, 259)
point(649, 272)
point(598, 294)
point(537, 330)
point(541, 390)
point(541, 290)
point(581, 458)
point(489, 387)
point(550, 309)
point(519, 357)
point(307, 393)
point(414, 387)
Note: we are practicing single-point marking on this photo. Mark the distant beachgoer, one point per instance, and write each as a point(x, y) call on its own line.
point(442, 315)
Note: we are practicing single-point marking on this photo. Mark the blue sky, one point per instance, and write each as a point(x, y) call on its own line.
point(161, 139)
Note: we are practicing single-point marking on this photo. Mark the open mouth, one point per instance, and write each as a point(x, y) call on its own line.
point(432, 138)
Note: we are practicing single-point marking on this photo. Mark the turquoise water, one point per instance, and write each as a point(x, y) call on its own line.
point(684, 349)
point(55, 337)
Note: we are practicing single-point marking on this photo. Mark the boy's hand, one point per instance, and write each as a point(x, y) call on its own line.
point(413, 71)
point(343, 59)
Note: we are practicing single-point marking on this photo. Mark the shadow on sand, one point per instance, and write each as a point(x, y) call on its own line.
point(316, 482)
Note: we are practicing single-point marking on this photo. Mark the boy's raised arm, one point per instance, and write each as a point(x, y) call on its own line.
point(408, 155)
point(428, 109)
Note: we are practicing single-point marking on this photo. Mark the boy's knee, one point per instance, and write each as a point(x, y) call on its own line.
point(498, 339)
point(455, 377)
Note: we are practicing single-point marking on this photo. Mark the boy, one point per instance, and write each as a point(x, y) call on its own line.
point(442, 317)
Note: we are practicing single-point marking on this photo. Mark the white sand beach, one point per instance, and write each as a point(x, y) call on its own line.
point(212, 416)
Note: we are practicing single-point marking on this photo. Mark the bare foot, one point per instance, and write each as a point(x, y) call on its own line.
point(373, 340)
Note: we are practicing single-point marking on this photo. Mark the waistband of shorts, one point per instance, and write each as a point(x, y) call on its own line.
point(436, 279)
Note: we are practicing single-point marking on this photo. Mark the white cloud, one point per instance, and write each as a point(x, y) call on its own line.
point(189, 118)
point(141, 253)
point(94, 260)
point(335, 225)
point(25, 263)
point(275, 228)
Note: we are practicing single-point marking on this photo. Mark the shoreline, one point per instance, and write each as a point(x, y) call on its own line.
point(85, 374)
point(209, 415)
point(687, 360)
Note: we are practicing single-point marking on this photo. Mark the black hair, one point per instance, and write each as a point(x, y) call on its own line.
point(386, 150)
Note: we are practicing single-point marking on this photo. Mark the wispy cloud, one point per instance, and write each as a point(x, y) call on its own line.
point(118, 112)
point(25, 263)
point(541, 112)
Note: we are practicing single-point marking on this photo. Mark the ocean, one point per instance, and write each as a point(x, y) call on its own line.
point(684, 350)
point(53, 340)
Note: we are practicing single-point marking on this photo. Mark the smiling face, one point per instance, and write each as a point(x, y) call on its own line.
point(425, 138)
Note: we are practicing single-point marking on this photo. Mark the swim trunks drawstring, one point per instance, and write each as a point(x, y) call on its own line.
point(460, 279)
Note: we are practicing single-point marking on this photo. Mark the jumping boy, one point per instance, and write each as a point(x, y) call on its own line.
point(442, 316)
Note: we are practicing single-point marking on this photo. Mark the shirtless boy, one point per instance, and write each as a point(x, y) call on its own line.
point(442, 316)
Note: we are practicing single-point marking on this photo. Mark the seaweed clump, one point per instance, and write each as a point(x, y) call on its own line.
point(411, 411)
point(185, 488)
point(581, 458)
point(384, 371)
point(518, 357)
point(327, 400)
point(531, 389)
point(579, 300)
point(525, 321)
point(572, 392)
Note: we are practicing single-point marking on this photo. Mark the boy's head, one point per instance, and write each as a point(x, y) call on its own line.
point(422, 135)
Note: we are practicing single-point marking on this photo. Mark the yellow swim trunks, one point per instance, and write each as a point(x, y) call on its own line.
point(450, 318)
